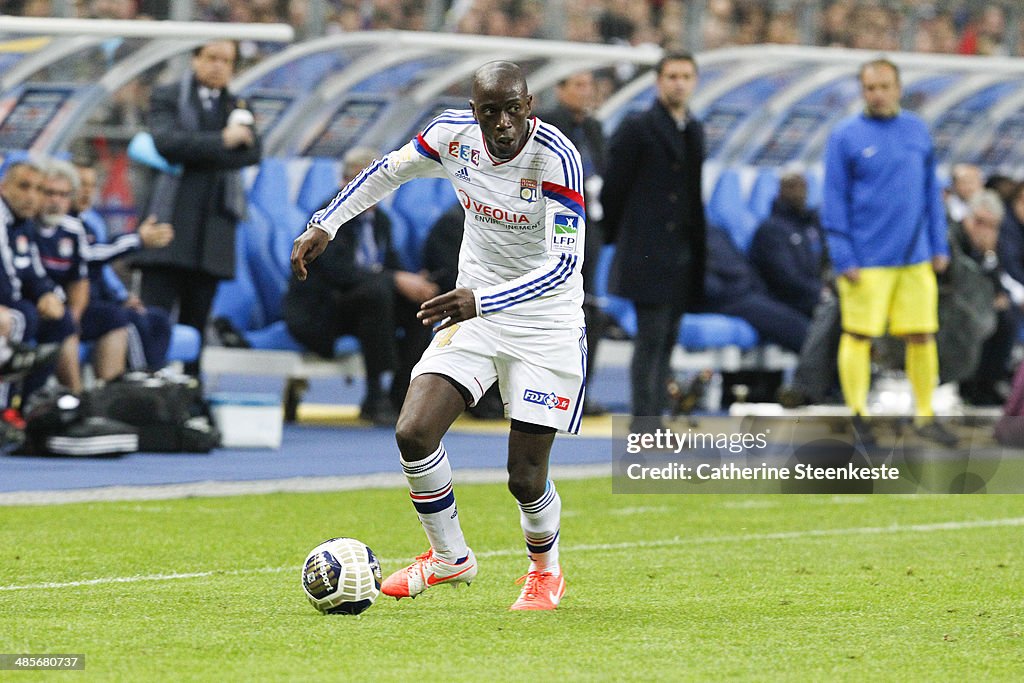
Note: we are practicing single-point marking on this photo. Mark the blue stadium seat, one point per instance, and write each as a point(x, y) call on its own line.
point(621, 310)
point(603, 270)
point(273, 336)
point(276, 336)
point(185, 344)
point(269, 278)
point(700, 331)
point(320, 184)
point(763, 193)
point(421, 202)
point(237, 299)
point(269, 193)
point(727, 209)
point(815, 188)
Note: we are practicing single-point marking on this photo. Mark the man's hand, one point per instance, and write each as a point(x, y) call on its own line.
point(155, 235)
point(50, 306)
point(306, 248)
point(939, 264)
point(237, 135)
point(135, 303)
point(852, 274)
point(414, 287)
point(449, 308)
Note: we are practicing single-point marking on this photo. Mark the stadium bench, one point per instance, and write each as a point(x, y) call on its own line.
point(295, 368)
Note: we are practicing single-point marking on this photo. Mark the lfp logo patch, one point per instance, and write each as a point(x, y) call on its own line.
point(549, 400)
point(567, 226)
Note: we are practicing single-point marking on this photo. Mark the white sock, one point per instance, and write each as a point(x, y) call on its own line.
point(430, 487)
point(540, 521)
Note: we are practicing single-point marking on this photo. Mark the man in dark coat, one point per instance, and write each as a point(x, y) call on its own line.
point(653, 211)
point(200, 126)
point(572, 117)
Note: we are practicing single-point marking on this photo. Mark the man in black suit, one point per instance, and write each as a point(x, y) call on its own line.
point(200, 126)
point(572, 116)
point(654, 212)
point(359, 287)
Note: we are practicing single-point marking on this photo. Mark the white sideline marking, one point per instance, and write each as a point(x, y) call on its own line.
point(208, 489)
point(651, 509)
point(602, 547)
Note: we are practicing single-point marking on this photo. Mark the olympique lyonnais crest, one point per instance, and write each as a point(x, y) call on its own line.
point(528, 189)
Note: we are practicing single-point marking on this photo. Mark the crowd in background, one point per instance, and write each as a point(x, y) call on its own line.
point(971, 27)
point(954, 27)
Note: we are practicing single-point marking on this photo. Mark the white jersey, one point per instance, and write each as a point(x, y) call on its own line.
point(522, 249)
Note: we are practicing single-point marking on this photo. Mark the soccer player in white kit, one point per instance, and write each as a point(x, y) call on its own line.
point(515, 317)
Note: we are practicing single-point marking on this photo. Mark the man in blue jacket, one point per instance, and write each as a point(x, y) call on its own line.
point(886, 228)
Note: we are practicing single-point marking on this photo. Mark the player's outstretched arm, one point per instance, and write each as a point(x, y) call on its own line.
point(449, 308)
point(306, 248)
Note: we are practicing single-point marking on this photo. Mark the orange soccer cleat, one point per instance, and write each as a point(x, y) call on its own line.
point(541, 591)
point(427, 571)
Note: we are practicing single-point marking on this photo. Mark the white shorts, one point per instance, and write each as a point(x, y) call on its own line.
point(541, 374)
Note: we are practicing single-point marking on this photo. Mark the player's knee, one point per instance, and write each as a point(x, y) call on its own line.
point(526, 488)
point(416, 440)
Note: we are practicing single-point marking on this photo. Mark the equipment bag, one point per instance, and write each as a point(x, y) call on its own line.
point(168, 410)
point(55, 424)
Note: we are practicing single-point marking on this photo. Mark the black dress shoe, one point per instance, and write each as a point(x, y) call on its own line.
point(229, 335)
point(791, 397)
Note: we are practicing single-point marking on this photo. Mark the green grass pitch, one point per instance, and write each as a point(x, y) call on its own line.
point(669, 587)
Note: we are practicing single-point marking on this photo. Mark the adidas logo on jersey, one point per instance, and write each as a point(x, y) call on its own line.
point(463, 174)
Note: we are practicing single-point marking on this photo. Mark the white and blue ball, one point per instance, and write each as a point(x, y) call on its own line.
point(341, 576)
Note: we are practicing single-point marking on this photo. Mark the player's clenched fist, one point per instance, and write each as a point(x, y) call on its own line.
point(306, 248)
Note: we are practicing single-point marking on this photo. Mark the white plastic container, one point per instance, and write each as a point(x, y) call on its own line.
point(248, 420)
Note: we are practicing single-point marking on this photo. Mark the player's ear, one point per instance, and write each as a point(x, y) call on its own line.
point(472, 108)
point(529, 103)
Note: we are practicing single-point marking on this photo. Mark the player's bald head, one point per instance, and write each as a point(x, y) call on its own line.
point(499, 77)
point(502, 106)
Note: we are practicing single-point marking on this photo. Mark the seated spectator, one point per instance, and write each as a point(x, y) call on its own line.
point(733, 287)
point(25, 286)
point(977, 237)
point(358, 287)
point(149, 331)
point(1011, 235)
point(62, 246)
point(967, 182)
point(788, 249)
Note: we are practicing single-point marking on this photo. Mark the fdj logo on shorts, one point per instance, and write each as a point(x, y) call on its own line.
point(464, 152)
point(549, 399)
point(567, 226)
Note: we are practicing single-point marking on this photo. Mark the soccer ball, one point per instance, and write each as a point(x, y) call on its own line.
point(341, 576)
